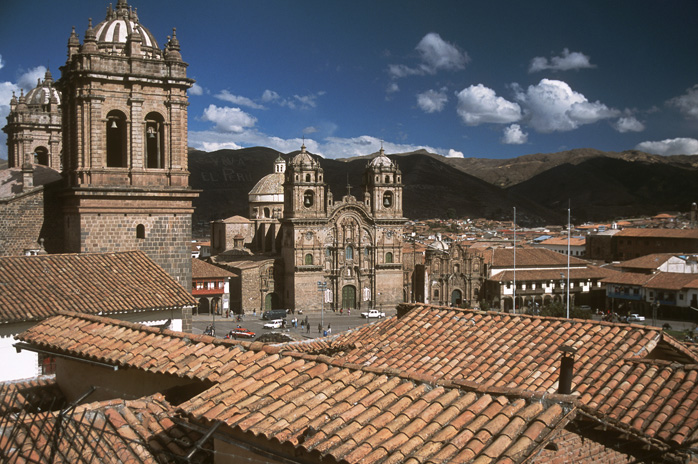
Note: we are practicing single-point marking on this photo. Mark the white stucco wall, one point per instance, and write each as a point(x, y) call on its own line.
point(16, 365)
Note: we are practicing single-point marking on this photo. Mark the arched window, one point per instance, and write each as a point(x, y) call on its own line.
point(140, 231)
point(116, 140)
point(309, 259)
point(41, 156)
point(388, 199)
point(387, 179)
point(154, 141)
point(308, 198)
point(267, 213)
point(388, 257)
point(307, 177)
point(456, 269)
point(349, 252)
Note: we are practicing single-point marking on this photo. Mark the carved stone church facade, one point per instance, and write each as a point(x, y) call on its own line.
point(307, 250)
point(348, 252)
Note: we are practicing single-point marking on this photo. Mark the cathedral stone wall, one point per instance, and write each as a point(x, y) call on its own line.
point(166, 239)
point(21, 220)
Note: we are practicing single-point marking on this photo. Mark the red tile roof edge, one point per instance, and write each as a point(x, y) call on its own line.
point(158, 331)
point(416, 377)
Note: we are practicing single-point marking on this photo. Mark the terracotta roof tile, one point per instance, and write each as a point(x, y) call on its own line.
point(36, 287)
point(362, 407)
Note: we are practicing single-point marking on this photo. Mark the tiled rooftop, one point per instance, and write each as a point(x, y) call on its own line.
point(504, 257)
point(35, 287)
point(355, 414)
point(435, 385)
point(117, 431)
point(648, 262)
point(519, 351)
point(579, 273)
point(659, 233)
point(203, 270)
point(127, 344)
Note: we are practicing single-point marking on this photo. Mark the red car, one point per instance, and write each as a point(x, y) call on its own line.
point(240, 333)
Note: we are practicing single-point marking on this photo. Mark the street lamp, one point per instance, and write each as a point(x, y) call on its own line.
point(321, 287)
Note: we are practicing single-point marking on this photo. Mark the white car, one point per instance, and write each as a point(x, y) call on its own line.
point(373, 313)
point(635, 318)
point(275, 324)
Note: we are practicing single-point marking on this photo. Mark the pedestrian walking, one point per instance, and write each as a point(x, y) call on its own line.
point(329, 329)
point(307, 326)
point(319, 328)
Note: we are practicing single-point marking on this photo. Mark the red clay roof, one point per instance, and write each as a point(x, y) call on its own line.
point(672, 281)
point(203, 270)
point(659, 233)
point(504, 257)
point(574, 241)
point(324, 405)
point(519, 351)
point(437, 384)
point(648, 262)
point(583, 273)
point(111, 432)
point(35, 287)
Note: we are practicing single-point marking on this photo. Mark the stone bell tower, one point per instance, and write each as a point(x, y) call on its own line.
point(34, 126)
point(124, 115)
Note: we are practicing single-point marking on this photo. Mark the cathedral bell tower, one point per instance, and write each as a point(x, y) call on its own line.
point(124, 116)
point(34, 126)
point(304, 188)
point(383, 187)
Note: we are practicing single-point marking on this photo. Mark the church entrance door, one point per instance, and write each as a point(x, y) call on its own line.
point(456, 298)
point(349, 297)
point(271, 301)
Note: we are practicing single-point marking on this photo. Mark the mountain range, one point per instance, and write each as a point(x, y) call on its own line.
point(595, 185)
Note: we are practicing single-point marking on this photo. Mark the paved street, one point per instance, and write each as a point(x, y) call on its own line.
point(338, 322)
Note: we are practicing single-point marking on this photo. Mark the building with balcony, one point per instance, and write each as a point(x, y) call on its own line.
point(210, 287)
point(524, 279)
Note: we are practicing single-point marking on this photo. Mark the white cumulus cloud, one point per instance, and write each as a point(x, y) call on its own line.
point(30, 78)
point(678, 146)
point(228, 119)
point(238, 100)
point(565, 62)
point(435, 54)
point(628, 124)
point(552, 106)
point(297, 101)
point(329, 147)
point(513, 135)
point(687, 103)
point(454, 153)
point(432, 101)
point(196, 89)
point(478, 104)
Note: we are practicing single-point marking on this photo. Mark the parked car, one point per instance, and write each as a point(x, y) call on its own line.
point(274, 314)
point(635, 318)
point(373, 313)
point(240, 333)
point(275, 324)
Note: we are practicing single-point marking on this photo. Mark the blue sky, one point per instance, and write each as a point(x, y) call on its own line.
point(495, 79)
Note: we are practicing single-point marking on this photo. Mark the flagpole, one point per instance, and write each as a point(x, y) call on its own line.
point(569, 238)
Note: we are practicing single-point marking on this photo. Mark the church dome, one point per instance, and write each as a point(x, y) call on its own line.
point(381, 161)
point(271, 184)
point(304, 159)
point(113, 32)
point(43, 93)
